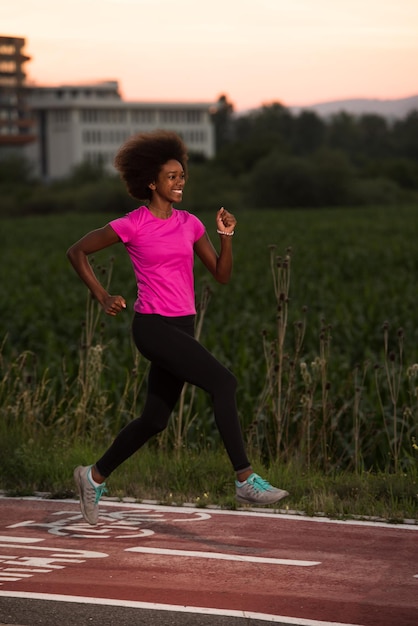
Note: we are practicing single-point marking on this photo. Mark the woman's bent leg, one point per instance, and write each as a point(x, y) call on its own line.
point(163, 392)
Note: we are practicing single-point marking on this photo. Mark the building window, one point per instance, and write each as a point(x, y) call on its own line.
point(103, 116)
point(94, 157)
point(103, 136)
point(193, 117)
point(89, 115)
point(143, 116)
point(178, 116)
point(194, 136)
point(99, 158)
point(8, 67)
point(7, 48)
point(60, 117)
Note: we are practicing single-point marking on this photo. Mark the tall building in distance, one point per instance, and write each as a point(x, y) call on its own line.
point(57, 128)
point(16, 121)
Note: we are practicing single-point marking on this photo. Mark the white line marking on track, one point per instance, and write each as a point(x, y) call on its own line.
point(252, 512)
point(18, 539)
point(277, 514)
point(11, 570)
point(222, 556)
point(38, 570)
point(61, 553)
point(265, 617)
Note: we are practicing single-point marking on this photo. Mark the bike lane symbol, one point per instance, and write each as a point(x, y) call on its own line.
point(120, 524)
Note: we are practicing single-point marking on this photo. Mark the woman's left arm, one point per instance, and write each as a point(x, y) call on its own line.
point(219, 265)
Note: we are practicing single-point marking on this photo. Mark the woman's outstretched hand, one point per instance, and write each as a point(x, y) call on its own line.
point(225, 221)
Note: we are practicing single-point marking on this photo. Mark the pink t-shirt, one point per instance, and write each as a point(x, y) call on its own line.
point(162, 256)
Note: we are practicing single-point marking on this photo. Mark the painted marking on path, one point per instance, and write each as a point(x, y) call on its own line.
point(16, 567)
point(9, 539)
point(59, 553)
point(222, 556)
point(154, 606)
point(112, 524)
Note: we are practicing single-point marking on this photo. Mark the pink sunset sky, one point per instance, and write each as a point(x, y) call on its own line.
point(296, 52)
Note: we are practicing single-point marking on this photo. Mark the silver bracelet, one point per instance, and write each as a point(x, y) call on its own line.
point(222, 232)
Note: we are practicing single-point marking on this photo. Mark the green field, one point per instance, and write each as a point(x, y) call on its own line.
point(354, 405)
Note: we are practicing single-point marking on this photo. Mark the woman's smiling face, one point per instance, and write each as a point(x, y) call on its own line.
point(170, 182)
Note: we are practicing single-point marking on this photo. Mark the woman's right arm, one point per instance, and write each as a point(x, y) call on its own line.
point(78, 256)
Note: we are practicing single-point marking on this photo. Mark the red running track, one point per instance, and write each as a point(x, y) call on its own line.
point(278, 568)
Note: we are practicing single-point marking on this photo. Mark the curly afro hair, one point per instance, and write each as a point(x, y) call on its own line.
point(140, 159)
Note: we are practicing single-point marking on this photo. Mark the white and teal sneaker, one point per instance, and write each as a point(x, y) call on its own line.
point(89, 494)
point(256, 490)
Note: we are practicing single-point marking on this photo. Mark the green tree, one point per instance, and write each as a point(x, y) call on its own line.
point(406, 136)
point(374, 136)
point(334, 176)
point(222, 120)
point(86, 172)
point(309, 133)
point(279, 181)
point(343, 134)
point(254, 136)
point(15, 170)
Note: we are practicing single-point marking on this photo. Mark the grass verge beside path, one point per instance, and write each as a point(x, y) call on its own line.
point(206, 479)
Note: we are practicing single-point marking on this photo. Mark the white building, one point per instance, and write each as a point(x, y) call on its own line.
point(16, 123)
point(79, 123)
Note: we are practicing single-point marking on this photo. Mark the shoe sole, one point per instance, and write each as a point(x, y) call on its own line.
point(282, 495)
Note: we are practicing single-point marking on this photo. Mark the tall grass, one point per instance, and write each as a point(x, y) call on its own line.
point(298, 417)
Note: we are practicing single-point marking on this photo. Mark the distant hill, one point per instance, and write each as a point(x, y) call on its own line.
point(391, 109)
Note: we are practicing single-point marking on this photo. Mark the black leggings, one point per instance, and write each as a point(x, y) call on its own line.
point(176, 357)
